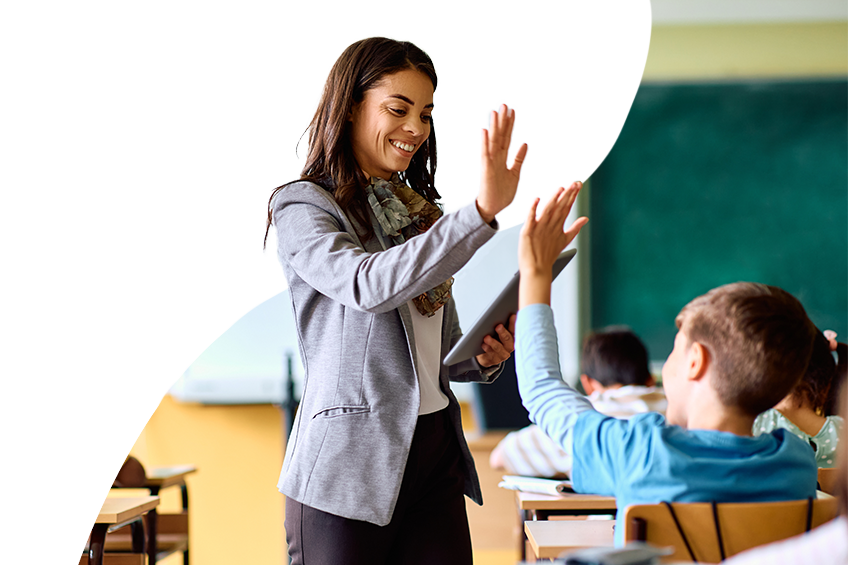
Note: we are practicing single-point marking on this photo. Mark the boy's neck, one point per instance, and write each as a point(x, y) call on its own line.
point(722, 422)
point(706, 412)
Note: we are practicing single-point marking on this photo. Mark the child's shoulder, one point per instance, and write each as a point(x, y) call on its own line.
point(771, 420)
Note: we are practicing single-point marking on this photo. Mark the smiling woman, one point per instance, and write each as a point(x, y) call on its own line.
point(392, 122)
point(376, 467)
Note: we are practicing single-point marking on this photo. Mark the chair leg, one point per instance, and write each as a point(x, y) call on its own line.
point(137, 531)
point(96, 544)
point(152, 546)
point(151, 518)
point(640, 529)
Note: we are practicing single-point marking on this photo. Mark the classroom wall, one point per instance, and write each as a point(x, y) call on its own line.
point(704, 52)
point(712, 53)
point(237, 513)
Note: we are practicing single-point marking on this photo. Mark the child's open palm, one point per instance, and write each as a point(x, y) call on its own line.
point(542, 240)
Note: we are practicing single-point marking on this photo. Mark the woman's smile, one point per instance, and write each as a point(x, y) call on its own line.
point(391, 123)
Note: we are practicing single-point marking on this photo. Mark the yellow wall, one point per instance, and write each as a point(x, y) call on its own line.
point(704, 52)
point(237, 513)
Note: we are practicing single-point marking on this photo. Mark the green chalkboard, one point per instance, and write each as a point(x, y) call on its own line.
point(715, 183)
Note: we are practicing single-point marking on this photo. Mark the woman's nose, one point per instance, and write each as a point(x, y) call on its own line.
point(414, 125)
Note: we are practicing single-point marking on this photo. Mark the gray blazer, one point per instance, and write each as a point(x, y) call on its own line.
point(353, 430)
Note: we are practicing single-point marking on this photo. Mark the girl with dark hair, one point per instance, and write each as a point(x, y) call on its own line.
point(810, 410)
point(376, 466)
point(825, 545)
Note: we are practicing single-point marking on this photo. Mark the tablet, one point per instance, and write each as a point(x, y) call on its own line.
point(498, 312)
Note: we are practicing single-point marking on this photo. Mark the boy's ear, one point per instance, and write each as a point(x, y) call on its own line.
point(698, 360)
point(588, 383)
point(651, 381)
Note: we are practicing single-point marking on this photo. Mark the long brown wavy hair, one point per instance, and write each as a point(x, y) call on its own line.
point(330, 162)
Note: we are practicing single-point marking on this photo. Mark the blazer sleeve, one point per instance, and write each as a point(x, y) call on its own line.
point(314, 240)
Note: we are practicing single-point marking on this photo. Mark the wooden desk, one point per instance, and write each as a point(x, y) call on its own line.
point(540, 507)
point(162, 477)
point(117, 513)
point(167, 533)
point(551, 538)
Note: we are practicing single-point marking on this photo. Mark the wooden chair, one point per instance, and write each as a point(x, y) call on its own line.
point(827, 480)
point(706, 532)
point(167, 533)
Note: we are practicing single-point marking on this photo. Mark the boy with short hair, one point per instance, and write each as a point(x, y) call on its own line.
point(615, 374)
point(740, 348)
point(618, 382)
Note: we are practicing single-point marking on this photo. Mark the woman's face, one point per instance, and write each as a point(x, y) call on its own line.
point(391, 122)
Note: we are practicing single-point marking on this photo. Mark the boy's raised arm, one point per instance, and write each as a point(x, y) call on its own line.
point(552, 404)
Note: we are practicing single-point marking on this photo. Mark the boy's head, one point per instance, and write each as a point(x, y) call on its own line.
point(614, 357)
point(751, 340)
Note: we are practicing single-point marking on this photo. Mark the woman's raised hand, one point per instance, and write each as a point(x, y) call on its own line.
point(498, 183)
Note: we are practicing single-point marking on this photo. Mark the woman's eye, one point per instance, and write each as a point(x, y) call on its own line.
point(398, 111)
point(427, 118)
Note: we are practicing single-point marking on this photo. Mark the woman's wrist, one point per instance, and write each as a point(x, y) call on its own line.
point(487, 217)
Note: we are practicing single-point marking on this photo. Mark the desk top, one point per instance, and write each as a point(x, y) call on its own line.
point(120, 509)
point(565, 501)
point(167, 476)
point(549, 539)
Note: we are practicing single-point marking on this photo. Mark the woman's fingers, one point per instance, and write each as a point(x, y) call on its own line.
point(519, 159)
point(486, 152)
point(500, 124)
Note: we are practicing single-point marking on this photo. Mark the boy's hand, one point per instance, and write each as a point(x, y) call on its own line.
point(540, 243)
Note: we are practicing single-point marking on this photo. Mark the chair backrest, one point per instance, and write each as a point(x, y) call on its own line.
point(827, 480)
point(722, 529)
point(131, 475)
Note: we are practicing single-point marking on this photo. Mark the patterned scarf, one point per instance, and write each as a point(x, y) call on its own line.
point(400, 213)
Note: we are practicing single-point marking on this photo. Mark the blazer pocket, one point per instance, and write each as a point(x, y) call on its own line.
point(335, 411)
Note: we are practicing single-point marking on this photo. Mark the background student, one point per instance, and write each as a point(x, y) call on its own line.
point(616, 377)
point(827, 544)
point(810, 410)
point(739, 349)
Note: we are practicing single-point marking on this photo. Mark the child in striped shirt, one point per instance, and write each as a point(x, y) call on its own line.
point(615, 375)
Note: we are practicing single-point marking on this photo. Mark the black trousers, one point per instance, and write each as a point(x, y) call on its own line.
point(429, 524)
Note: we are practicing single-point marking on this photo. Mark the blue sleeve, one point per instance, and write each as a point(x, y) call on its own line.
point(606, 449)
point(552, 404)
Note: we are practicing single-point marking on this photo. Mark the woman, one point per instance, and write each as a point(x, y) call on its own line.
point(376, 467)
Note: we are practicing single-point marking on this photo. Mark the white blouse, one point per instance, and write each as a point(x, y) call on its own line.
point(427, 332)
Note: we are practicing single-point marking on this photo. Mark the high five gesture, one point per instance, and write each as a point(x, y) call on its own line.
point(499, 182)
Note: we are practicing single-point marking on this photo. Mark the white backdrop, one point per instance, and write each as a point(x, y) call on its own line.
point(139, 144)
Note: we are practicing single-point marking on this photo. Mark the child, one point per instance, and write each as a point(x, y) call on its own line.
point(807, 410)
point(616, 377)
point(739, 349)
point(827, 544)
